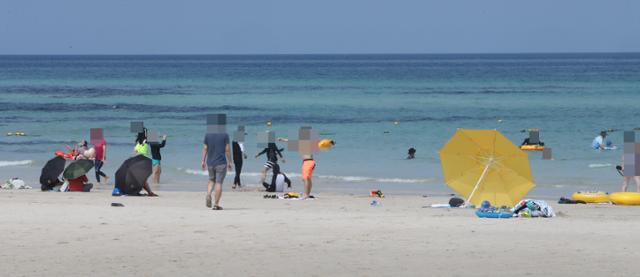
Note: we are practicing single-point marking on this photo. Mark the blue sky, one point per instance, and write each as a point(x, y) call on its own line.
point(327, 26)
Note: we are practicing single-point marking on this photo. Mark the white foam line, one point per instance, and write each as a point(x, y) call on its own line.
point(15, 163)
point(356, 179)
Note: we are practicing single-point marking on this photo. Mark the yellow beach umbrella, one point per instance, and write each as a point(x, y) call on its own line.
point(484, 165)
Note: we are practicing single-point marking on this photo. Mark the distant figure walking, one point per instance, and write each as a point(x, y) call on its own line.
point(216, 157)
point(101, 157)
point(238, 156)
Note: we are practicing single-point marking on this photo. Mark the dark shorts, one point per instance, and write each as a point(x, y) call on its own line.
point(217, 173)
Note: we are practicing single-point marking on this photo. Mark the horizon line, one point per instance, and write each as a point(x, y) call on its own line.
point(326, 54)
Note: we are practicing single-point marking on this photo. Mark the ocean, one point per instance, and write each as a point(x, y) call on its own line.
point(374, 106)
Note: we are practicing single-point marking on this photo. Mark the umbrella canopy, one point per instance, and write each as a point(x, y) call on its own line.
point(50, 172)
point(484, 165)
point(77, 169)
point(133, 174)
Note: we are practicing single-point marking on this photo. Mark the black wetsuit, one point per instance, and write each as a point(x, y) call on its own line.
point(272, 152)
point(155, 150)
point(237, 161)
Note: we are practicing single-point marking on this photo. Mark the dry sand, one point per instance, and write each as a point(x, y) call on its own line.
point(80, 234)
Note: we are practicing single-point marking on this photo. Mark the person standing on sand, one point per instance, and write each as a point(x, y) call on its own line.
point(156, 158)
point(216, 157)
point(239, 154)
point(626, 179)
point(308, 163)
point(101, 157)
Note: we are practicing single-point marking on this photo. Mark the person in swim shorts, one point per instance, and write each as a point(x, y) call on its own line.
point(156, 158)
point(216, 157)
point(308, 165)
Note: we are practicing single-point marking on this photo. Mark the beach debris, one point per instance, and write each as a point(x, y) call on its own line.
point(113, 204)
point(15, 183)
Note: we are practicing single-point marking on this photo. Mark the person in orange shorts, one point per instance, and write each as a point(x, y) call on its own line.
point(306, 144)
point(308, 165)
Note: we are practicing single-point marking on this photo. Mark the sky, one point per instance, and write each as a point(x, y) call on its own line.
point(317, 27)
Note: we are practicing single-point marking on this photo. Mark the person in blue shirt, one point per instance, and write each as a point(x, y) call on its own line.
point(601, 142)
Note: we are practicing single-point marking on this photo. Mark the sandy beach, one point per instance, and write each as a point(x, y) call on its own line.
point(80, 234)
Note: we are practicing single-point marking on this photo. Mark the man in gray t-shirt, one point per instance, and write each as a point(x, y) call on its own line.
point(216, 157)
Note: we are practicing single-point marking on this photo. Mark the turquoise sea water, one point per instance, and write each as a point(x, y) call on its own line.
point(355, 98)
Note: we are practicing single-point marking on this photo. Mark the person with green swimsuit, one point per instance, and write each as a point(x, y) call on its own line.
point(156, 158)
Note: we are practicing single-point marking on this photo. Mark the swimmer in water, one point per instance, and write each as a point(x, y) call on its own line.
point(411, 154)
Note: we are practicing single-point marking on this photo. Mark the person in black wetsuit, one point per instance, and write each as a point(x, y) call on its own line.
point(237, 148)
point(156, 158)
point(272, 152)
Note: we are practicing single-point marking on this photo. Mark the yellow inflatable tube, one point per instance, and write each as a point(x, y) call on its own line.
point(625, 198)
point(532, 147)
point(591, 196)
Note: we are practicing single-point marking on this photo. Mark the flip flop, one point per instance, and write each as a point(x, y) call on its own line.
point(217, 208)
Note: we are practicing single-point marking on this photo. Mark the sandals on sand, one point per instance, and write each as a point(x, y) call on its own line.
point(217, 208)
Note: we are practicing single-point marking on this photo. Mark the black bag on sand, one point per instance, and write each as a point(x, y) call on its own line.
point(456, 202)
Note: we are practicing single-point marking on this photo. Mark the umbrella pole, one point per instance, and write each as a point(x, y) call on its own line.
point(484, 172)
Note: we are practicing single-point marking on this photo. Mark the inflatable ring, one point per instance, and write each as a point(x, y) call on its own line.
point(494, 214)
point(532, 147)
point(591, 196)
point(625, 198)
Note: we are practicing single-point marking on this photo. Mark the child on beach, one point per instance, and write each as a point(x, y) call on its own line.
point(626, 178)
point(272, 152)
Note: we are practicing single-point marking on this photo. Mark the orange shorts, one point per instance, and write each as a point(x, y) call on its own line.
point(307, 169)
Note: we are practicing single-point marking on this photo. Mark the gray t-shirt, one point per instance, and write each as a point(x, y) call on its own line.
point(216, 144)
